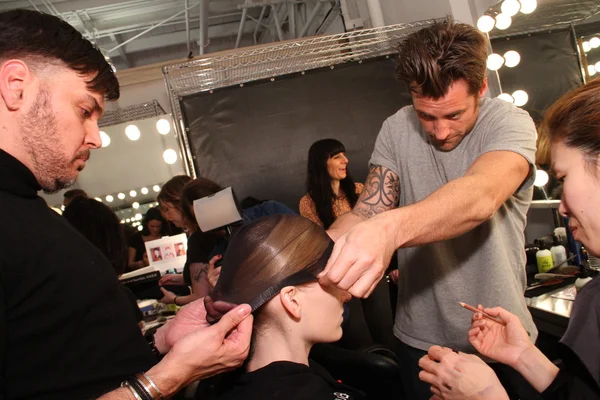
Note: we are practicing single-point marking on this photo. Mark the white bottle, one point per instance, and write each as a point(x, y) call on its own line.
point(559, 253)
point(544, 261)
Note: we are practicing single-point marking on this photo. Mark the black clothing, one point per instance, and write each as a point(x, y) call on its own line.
point(286, 381)
point(66, 328)
point(137, 242)
point(573, 382)
point(199, 248)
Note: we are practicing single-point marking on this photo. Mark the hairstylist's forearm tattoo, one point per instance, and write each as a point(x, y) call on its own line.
point(381, 193)
point(198, 270)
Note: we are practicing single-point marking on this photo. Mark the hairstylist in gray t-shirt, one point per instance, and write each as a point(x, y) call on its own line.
point(450, 184)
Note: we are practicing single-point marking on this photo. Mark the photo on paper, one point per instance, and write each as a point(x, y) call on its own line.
point(156, 254)
point(168, 252)
point(179, 249)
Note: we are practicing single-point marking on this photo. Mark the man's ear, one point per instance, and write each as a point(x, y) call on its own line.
point(15, 77)
point(484, 87)
point(290, 302)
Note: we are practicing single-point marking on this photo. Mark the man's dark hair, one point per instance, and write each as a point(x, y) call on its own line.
point(69, 194)
point(35, 36)
point(432, 59)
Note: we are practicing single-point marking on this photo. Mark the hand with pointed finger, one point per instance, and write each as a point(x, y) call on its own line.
point(361, 256)
point(503, 343)
point(459, 376)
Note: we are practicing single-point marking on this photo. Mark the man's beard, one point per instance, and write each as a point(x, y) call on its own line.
point(42, 141)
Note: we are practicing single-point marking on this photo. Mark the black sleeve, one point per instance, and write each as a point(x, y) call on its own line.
point(137, 313)
point(2, 329)
point(573, 381)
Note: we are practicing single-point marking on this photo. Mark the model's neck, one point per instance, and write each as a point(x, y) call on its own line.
point(335, 186)
point(273, 345)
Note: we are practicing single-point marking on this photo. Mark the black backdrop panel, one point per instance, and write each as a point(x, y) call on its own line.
point(549, 68)
point(256, 138)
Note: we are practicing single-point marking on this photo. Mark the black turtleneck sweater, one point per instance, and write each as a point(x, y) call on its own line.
point(66, 328)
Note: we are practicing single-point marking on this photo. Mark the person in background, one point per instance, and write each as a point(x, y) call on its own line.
point(66, 328)
point(169, 200)
point(69, 195)
point(154, 227)
point(101, 226)
point(331, 190)
point(207, 248)
point(571, 127)
point(273, 264)
point(450, 183)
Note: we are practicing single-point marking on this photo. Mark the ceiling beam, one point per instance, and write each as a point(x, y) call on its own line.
point(121, 52)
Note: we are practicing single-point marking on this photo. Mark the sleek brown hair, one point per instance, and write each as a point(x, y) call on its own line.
point(266, 253)
point(432, 59)
point(194, 190)
point(45, 39)
point(171, 191)
point(574, 119)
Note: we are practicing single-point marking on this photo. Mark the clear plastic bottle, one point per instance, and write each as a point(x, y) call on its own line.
point(559, 253)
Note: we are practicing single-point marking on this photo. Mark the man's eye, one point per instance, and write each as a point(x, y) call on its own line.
point(85, 112)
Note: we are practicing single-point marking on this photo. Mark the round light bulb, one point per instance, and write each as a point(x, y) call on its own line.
point(541, 178)
point(137, 216)
point(156, 188)
point(528, 6)
point(512, 58)
point(132, 132)
point(128, 220)
point(140, 228)
point(506, 97)
point(503, 21)
point(133, 193)
point(163, 126)
point(595, 42)
point(170, 156)
point(104, 138)
point(591, 70)
point(586, 46)
point(486, 23)
point(495, 61)
point(521, 98)
point(510, 7)
point(144, 190)
point(135, 205)
point(109, 199)
point(98, 199)
point(597, 66)
point(121, 196)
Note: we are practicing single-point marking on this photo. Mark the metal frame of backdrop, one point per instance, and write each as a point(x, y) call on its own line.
point(267, 62)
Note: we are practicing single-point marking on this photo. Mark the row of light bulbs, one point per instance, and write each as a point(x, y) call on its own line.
point(594, 68)
point(509, 9)
point(593, 43)
point(511, 59)
point(519, 97)
point(132, 193)
point(132, 132)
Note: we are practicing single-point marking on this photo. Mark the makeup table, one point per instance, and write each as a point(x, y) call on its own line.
point(551, 311)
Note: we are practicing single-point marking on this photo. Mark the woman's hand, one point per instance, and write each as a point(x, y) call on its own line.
point(454, 376)
point(504, 344)
point(168, 297)
point(213, 272)
point(172, 279)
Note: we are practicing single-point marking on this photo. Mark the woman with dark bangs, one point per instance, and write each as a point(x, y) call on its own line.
point(331, 190)
point(273, 266)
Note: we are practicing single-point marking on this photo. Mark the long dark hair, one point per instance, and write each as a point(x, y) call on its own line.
point(100, 225)
point(154, 214)
point(318, 181)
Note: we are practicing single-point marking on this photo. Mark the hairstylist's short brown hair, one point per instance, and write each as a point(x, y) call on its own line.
point(574, 119)
point(432, 59)
point(171, 191)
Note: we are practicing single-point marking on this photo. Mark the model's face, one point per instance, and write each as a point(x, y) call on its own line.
point(336, 166)
point(450, 118)
point(59, 127)
point(581, 195)
point(172, 214)
point(154, 227)
point(322, 310)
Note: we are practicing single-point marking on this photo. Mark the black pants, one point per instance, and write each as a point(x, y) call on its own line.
point(415, 389)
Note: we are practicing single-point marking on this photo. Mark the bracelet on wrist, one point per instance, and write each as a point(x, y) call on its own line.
point(175, 300)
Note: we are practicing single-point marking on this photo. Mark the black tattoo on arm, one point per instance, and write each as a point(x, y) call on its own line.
point(381, 193)
point(198, 270)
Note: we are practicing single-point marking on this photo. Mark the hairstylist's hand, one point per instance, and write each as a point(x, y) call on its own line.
point(454, 376)
point(361, 256)
point(205, 351)
point(168, 297)
point(504, 344)
point(213, 272)
point(172, 279)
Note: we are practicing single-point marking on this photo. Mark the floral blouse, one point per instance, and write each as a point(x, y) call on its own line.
point(341, 206)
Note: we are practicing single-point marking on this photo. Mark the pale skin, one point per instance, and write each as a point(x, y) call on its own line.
point(66, 112)
point(204, 278)
point(367, 237)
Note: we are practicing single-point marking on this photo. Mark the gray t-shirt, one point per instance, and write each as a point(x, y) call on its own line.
point(483, 266)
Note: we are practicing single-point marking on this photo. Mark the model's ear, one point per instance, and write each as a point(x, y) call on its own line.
point(15, 80)
point(290, 301)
